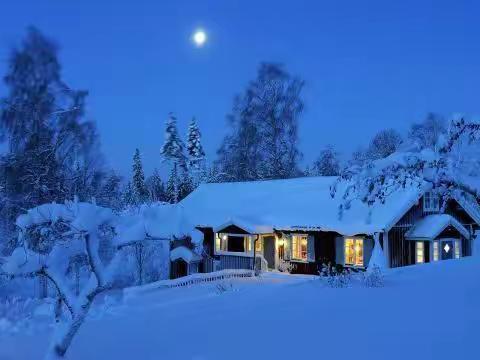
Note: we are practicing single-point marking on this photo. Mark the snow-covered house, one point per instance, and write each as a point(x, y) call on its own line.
point(298, 221)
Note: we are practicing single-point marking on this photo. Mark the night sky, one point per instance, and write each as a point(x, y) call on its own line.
point(368, 64)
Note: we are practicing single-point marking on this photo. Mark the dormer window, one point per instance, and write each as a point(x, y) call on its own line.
point(431, 202)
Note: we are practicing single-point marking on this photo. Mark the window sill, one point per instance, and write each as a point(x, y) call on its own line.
point(354, 266)
point(300, 261)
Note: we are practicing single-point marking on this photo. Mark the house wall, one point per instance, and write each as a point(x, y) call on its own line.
point(402, 252)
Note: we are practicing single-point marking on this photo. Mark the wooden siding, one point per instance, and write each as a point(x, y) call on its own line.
point(325, 247)
point(232, 229)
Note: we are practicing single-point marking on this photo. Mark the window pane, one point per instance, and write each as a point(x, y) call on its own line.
point(258, 245)
point(236, 243)
point(359, 252)
point(349, 252)
point(457, 249)
point(303, 249)
point(295, 252)
point(435, 251)
point(420, 252)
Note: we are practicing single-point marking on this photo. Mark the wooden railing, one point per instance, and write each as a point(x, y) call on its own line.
point(234, 262)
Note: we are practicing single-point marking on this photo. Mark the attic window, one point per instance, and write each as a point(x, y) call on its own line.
point(431, 202)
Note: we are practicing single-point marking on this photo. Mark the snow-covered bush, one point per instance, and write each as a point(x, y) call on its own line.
point(62, 234)
point(19, 313)
point(335, 278)
point(373, 277)
point(285, 266)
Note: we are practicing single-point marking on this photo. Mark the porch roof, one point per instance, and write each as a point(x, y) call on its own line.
point(184, 253)
point(431, 226)
point(245, 224)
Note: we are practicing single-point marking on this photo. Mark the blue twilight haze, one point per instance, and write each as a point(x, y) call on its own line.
point(368, 64)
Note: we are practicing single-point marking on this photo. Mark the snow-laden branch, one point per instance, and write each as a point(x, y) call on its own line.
point(447, 171)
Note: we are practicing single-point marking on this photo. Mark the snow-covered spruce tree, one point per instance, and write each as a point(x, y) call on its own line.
point(66, 232)
point(447, 170)
point(138, 179)
point(172, 152)
point(129, 198)
point(186, 186)
point(172, 191)
point(155, 187)
point(327, 163)
point(195, 152)
point(110, 194)
point(263, 138)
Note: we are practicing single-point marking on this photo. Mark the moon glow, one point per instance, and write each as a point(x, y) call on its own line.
point(199, 37)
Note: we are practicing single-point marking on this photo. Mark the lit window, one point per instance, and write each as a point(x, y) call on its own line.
point(458, 248)
point(435, 251)
point(420, 252)
point(431, 202)
point(259, 245)
point(354, 251)
point(299, 247)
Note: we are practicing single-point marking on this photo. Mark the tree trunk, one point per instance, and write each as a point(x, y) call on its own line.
point(65, 333)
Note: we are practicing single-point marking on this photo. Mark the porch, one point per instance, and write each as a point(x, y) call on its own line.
point(438, 237)
point(303, 251)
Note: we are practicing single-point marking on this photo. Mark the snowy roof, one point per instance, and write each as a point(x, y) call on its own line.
point(184, 253)
point(469, 204)
point(432, 225)
point(246, 225)
point(293, 204)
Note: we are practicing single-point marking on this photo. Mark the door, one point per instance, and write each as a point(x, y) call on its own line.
point(447, 249)
point(269, 251)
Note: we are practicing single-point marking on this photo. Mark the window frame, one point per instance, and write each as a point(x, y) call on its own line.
point(436, 250)
point(356, 240)
point(221, 244)
point(431, 202)
point(458, 249)
point(419, 252)
point(298, 241)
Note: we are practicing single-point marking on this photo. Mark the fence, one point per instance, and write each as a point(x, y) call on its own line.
point(191, 280)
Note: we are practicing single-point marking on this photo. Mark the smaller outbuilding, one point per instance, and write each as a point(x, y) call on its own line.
point(184, 261)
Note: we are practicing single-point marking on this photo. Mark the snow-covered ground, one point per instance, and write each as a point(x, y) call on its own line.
point(430, 311)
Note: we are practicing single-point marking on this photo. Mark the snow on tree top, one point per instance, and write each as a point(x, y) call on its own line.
point(156, 221)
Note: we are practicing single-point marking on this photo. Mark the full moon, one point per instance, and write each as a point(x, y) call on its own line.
point(199, 38)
